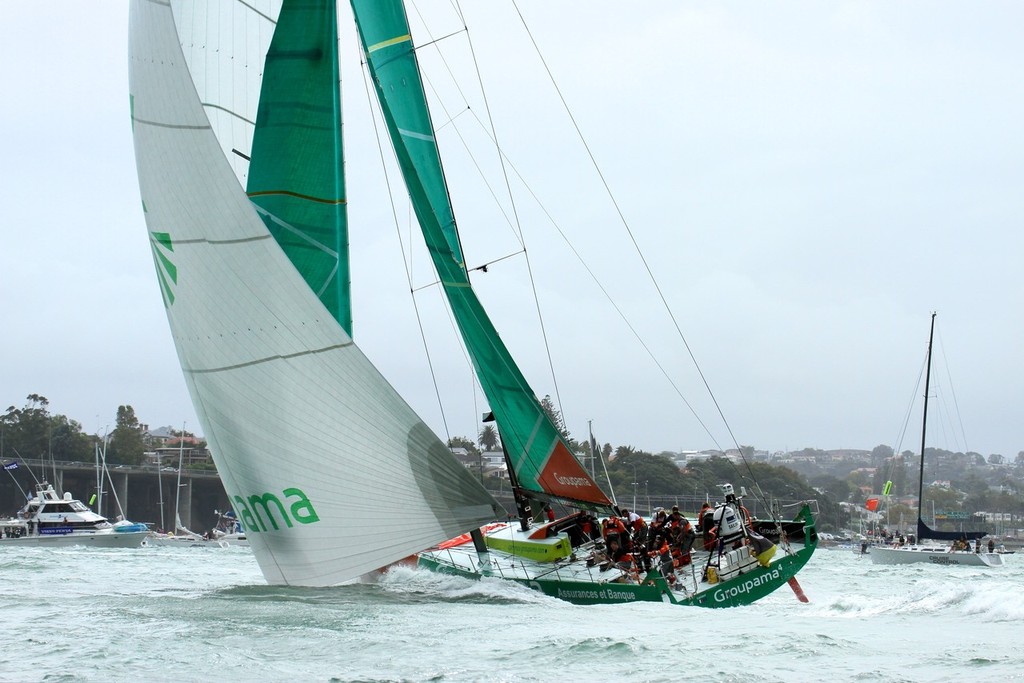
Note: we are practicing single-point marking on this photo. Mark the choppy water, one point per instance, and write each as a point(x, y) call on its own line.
point(205, 614)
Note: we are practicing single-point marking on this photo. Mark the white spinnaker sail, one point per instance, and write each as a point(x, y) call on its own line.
point(332, 473)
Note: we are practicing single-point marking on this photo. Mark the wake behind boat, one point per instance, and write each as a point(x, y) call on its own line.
point(51, 520)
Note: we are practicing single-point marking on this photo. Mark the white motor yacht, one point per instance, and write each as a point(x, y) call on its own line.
point(51, 520)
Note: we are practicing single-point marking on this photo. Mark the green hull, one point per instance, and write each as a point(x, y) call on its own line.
point(743, 589)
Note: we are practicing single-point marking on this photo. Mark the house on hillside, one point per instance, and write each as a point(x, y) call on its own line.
point(167, 449)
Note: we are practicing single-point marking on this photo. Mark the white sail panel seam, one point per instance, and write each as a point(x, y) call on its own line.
point(218, 243)
point(224, 109)
point(180, 126)
point(268, 359)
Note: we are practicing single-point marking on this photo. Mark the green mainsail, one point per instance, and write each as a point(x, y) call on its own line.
point(539, 455)
point(296, 175)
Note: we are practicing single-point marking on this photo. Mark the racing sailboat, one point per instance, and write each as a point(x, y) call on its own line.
point(237, 122)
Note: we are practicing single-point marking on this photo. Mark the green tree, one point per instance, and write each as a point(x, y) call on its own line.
point(33, 433)
point(463, 442)
point(624, 452)
point(857, 479)
point(879, 454)
point(126, 444)
point(944, 499)
point(27, 431)
point(655, 474)
point(67, 442)
point(837, 489)
point(488, 437)
point(556, 419)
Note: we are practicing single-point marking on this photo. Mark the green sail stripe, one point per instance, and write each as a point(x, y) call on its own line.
point(168, 266)
point(296, 175)
point(165, 288)
point(526, 431)
point(164, 239)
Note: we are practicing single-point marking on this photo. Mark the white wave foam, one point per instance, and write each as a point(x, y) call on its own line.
point(406, 579)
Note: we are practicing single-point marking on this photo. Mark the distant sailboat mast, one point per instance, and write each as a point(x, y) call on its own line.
point(924, 420)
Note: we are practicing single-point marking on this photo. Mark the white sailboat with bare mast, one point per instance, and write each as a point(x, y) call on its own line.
point(933, 546)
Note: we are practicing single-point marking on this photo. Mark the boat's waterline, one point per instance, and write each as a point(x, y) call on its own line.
point(933, 554)
point(726, 579)
point(100, 539)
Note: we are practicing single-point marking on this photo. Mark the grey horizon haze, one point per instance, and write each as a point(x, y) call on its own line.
point(807, 181)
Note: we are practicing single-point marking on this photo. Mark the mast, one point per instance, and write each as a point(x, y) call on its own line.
point(177, 489)
point(924, 418)
point(99, 477)
point(160, 487)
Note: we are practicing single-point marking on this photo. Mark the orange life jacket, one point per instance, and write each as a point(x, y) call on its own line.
point(614, 525)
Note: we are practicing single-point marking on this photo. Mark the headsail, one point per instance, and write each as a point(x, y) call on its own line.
point(296, 174)
point(305, 432)
point(538, 454)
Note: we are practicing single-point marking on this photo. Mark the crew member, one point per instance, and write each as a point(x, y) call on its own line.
point(614, 531)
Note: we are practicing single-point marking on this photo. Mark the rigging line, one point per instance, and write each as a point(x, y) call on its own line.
point(476, 164)
point(607, 295)
point(407, 261)
point(483, 267)
point(906, 423)
point(417, 48)
point(940, 414)
point(401, 244)
point(257, 12)
point(516, 225)
point(629, 231)
point(451, 120)
point(952, 391)
point(453, 325)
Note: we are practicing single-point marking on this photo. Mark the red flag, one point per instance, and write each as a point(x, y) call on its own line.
point(871, 504)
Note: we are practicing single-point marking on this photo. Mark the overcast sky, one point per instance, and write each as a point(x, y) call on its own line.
point(807, 180)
